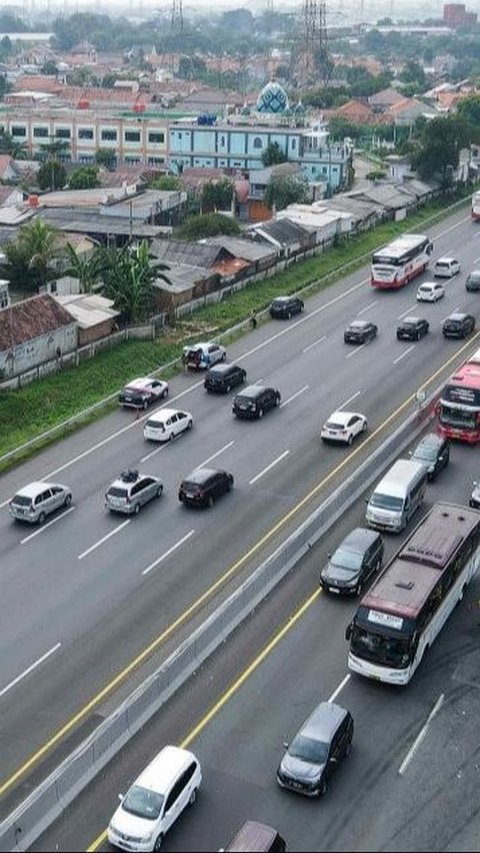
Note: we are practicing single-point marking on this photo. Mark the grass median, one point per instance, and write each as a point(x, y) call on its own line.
point(28, 412)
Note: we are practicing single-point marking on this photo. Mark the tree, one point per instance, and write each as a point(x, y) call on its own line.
point(413, 73)
point(283, 190)
point(9, 145)
point(52, 175)
point(128, 278)
point(469, 109)
point(209, 225)
point(105, 157)
point(217, 195)
point(441, 143)
point(84, 178)
point(49, 68)
point(87, 270)
point(273, 154)
point(167, 183)
point(30, 257)
point(55, 148)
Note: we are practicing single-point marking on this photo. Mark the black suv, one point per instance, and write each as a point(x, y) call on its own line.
point(357, 557)
point(221, 378)
point(316, 751)
point(412, 329)
point(458, 325)
point(473, 280)
point(204, 485)
point(284, 307)
point(359, 332)
point(254, 401)
point(433, 451)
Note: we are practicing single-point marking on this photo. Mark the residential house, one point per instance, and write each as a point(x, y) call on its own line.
point(381, 101)
point(289, 238)
point(32, 332)
point(258, 210)
point(95, 315)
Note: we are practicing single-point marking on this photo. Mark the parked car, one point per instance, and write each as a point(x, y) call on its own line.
point(284, 307)
point(430, 291)
point(317, 750)
point(223, 377)
point(475, 496)
point(34, 502)
point(458, 325)
point(343, 426)
point(166, 424)
point(204, 355)
point(204, 485)
point(254, 401)
point(446, 267)
point(156, 800)
point(142, 392)
point(472, 281)
point(360, 332)
point(131, 491)
point(356, 559)
point(412, 329)
point(434, 452)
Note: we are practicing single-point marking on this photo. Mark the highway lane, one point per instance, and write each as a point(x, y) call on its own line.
point(389, 795)
point(68, 601)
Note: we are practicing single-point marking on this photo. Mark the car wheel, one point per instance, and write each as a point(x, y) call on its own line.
point(227, 389)
point(277, 401)
point(224, 355)
point(171, 436)
point(260, 414)
point(193, 797)
point(165, 394)
point(145, 405)
point(210, 501)
point(324, 788)
point(364, 426)
point(229, 485)
point(136, 509)
point(41, 518)
point(158, 843)
point(418, 336)
point(190, 424)
point(348, 749)
point(68, 500)
point(289, 315)
point(159, 492)
point(350, 439)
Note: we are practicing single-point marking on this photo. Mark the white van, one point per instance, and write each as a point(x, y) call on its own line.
point(397, 496)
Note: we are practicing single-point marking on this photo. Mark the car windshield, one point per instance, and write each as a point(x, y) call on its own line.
point(386, 501)
point(474, 276)
point(380, 648)
point(313, 751)
point(347, 559)
point(427, 452)
point(142, 802)
point(357, 326)
point(21, 500)
point(117, 492)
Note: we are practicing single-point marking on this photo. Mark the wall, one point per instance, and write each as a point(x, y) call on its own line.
point(31, 353)
point(94, 333)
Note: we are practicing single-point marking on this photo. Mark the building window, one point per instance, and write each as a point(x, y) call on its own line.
point(324, 170)
point(40, 132)
point(294, 144)
point(85, 133)
point(109, 135)
point(17, 130)
point(156, 137)
point(132, 161)
point(257, 142)
point(62, 133)
point(156, 161)
point(132, 136)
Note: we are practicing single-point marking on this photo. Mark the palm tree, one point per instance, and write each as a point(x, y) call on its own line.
point(87, 270)
point(54, 149)
point(128, 278)
point(9, 145)
point(30, 257)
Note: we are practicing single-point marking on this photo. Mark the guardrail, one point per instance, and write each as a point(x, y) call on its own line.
point(33, 816)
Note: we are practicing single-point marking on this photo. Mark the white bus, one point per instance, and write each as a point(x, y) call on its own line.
point(476, 206)
point(401, 260)
point(405, 608)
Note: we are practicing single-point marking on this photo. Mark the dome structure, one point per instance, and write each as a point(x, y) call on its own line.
point(272, 99)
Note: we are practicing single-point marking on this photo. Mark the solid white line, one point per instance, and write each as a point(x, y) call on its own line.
point(214, 455)
point(406, 352)
point(163, 446)
point(30, 669)
point(45, 526)
point(421, 735)
point(293, 397)
point(104, 539)
point(367, 308)
point(476, 260)
point(353, 397)
point(354, 352)
point(314, 343)
point(269, 467)
point(167, 553)
point(339, 688)
point(407, 312)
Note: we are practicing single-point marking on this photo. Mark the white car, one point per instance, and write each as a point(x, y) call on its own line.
point(156, 800)
point(430, 291)
point(343, 426)
point(142, 392)
point(446, 267)
point(204, 355)
point(165, 424)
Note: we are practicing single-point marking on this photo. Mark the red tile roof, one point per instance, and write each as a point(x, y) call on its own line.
point(31, 319)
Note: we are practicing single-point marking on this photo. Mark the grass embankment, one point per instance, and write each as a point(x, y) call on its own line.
point(29, 411)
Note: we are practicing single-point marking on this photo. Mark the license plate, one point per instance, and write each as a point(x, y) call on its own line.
point(334, 590)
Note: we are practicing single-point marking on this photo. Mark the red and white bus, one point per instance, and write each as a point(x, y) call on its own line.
point(401, 260)
point(400, 616)
point(476, 206)
point(458, 409)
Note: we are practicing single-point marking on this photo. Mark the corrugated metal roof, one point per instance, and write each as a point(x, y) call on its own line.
point(246, 249)
point(194, 254)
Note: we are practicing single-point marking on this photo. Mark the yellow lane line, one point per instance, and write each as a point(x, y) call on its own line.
point(115, 682)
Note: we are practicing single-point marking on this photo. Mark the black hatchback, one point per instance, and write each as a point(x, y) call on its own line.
point(223, 377)
point(254, 401)
point(356, 559)
point(412, 329)
point(458, 325)
point(359, 332)
point(284, 307)
point(204, 485)
point(433, 451)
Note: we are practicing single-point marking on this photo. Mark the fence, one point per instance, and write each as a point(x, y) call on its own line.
point(20, 829)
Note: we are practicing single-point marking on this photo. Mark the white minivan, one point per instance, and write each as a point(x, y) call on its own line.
point(397, 496)
point(155, 800)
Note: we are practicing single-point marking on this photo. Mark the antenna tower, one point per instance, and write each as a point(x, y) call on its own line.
point(177, 15)
point(315, 31)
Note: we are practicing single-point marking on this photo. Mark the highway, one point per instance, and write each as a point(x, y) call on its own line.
point(84, 595)
point(411, 782)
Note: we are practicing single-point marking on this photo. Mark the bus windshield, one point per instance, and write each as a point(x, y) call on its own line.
point(380, 648)
point(386, 501)
point(453, 416)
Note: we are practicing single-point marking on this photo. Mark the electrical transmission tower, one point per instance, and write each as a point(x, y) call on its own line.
point(315, 33)
point(177, 15)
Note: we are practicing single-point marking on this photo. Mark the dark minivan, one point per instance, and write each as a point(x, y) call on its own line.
point(223, 377)
point(356, 559)
point(254, 401)
point(204, 485)
point(458, 325)
point(257, 837)
point(316, 751)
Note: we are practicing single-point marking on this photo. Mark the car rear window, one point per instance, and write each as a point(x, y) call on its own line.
point(117, 492)
point(21, 500)
point(333, 425)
